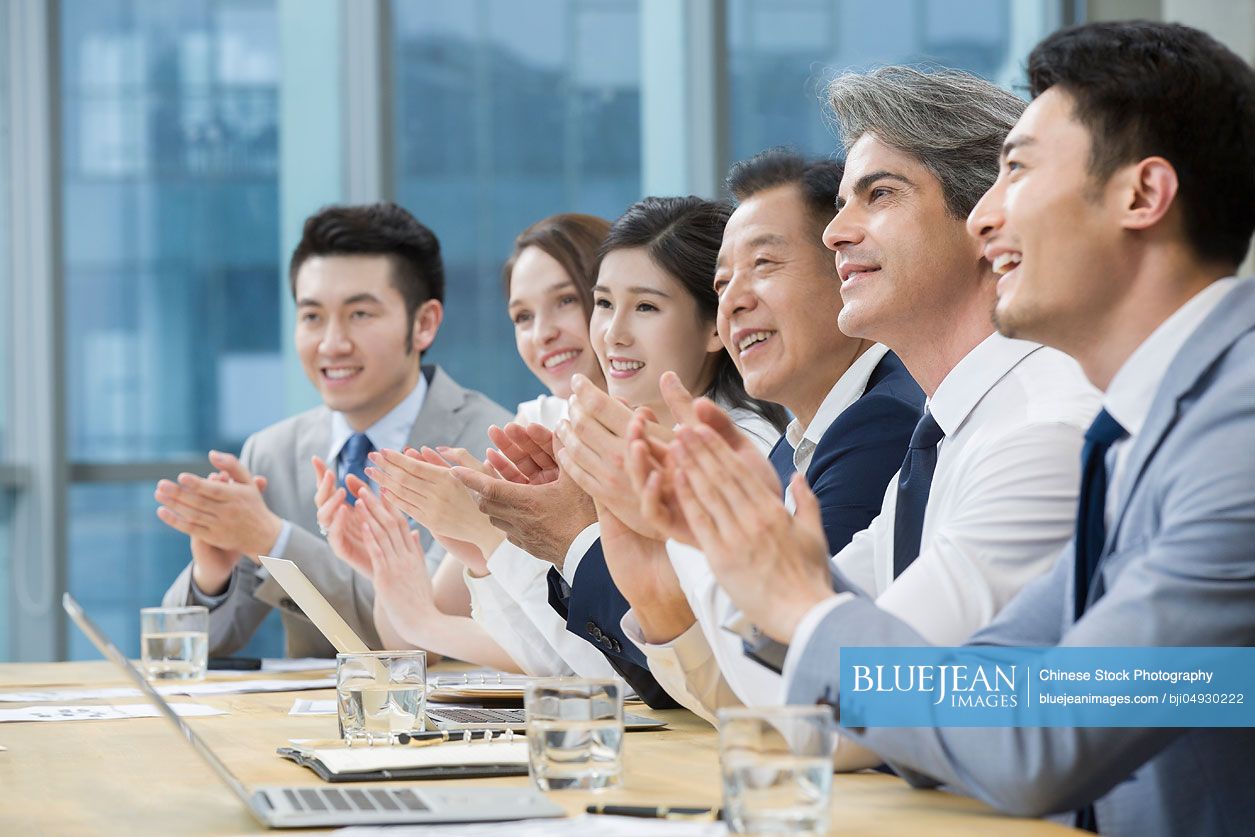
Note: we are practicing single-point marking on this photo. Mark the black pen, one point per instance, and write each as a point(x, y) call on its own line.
point(234, 664)
point(658, 812)
point(412, 739)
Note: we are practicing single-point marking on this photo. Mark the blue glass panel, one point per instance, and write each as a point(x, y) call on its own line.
point(504, 113)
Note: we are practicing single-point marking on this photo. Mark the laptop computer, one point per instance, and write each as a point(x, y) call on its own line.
point(341, 636)
point(316, 806)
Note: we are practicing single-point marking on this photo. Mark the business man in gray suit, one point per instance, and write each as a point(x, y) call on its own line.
point(1122, 209)
point(368, 284)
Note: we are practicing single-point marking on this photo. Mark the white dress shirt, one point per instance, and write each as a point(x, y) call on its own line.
point(1003, 496)
point(1002, 501)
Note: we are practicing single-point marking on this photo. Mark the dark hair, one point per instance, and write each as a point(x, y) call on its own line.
point(682, 236)
point(377, 229)
point(818, 180)
point(1147, 89)
point(572, 240)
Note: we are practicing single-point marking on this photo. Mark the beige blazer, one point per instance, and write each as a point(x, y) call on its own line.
point(450, 416)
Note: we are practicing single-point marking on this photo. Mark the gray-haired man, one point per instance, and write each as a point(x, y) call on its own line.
point(987, 491)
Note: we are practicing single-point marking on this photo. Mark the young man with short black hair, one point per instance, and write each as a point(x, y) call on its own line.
point(368, 283)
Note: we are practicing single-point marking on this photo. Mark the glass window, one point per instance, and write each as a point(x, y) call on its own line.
point(169, 120)
point(781, 52)
point(7, 496)
point(169, 131)
point(504, 113)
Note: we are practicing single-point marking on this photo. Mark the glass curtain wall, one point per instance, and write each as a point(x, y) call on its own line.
point(781, 53)
point(8, 494)
point(504, 113)
point(169, 171)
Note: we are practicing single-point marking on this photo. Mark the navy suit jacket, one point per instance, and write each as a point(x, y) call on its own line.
point(852, 465)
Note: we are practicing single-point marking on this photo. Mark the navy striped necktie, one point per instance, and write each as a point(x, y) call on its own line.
point(914, 483)
point(353, 458)
point(1091, 512)
point(1091, 532)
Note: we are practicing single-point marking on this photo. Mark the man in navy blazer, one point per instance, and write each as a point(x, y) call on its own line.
point(854, 403)
point(1120, 214)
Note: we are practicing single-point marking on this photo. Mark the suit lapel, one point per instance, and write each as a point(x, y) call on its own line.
point(313, 442)
point(782, 460)
point(1233, 317)
point(438, 422)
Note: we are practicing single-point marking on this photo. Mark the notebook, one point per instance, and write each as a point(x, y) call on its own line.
point(454, 760)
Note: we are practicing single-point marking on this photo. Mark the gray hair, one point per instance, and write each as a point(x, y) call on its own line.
point(953, 122)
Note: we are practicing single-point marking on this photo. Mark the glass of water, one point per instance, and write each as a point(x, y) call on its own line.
point(777, 768)
point(381, 694)
point(174, 642)
point(574, 733)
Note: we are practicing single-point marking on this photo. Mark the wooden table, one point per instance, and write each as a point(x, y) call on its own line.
point(138, 777)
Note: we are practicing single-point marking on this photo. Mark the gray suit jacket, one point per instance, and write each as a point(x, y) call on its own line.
point(1178, 569)
point(450, 416)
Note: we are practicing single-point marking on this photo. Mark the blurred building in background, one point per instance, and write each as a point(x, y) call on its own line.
point(158, 156)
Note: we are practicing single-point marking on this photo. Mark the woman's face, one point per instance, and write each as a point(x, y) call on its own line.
point(645, 323)
point(550, 327)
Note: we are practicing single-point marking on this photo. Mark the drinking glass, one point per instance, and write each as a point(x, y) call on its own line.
point(574, 733)
point(381, 694)
point(174, 642)
point(777, 768)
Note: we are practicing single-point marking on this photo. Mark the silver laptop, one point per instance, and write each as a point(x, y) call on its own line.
point(319, 611)
point(315, 806)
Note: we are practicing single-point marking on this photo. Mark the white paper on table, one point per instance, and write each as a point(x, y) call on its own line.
point(3, 748)
point(212, 687)
point(239, 687)
point(300, 664)
point(305, 706)
point(581, 826)
point(103, 713)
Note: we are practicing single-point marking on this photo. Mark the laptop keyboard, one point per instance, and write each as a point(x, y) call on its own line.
point(353, 799)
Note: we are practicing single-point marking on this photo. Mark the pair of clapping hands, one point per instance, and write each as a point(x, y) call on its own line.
point(702, 482)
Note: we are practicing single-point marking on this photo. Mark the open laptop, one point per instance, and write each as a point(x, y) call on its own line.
point(316, 806)
point(341, 636)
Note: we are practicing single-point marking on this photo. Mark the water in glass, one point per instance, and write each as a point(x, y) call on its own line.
point(777, 794)
point(175, 655)
point(575, 754)
point(378, 712)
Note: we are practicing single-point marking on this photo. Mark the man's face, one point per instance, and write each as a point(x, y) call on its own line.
point(902, 258)
point(778, 300)
point(1049, 229)
point(353, 337)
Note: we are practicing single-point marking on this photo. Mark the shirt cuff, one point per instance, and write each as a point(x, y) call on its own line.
point(575, 552)
point(802, 636)
point(200, 597)
point(688, 644)
point(516, 569)
point(281, 542)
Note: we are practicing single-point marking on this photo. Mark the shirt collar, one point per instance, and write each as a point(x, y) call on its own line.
point(392, 431)
point(972, 377)
point(1132, 391)
point(848, 389)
